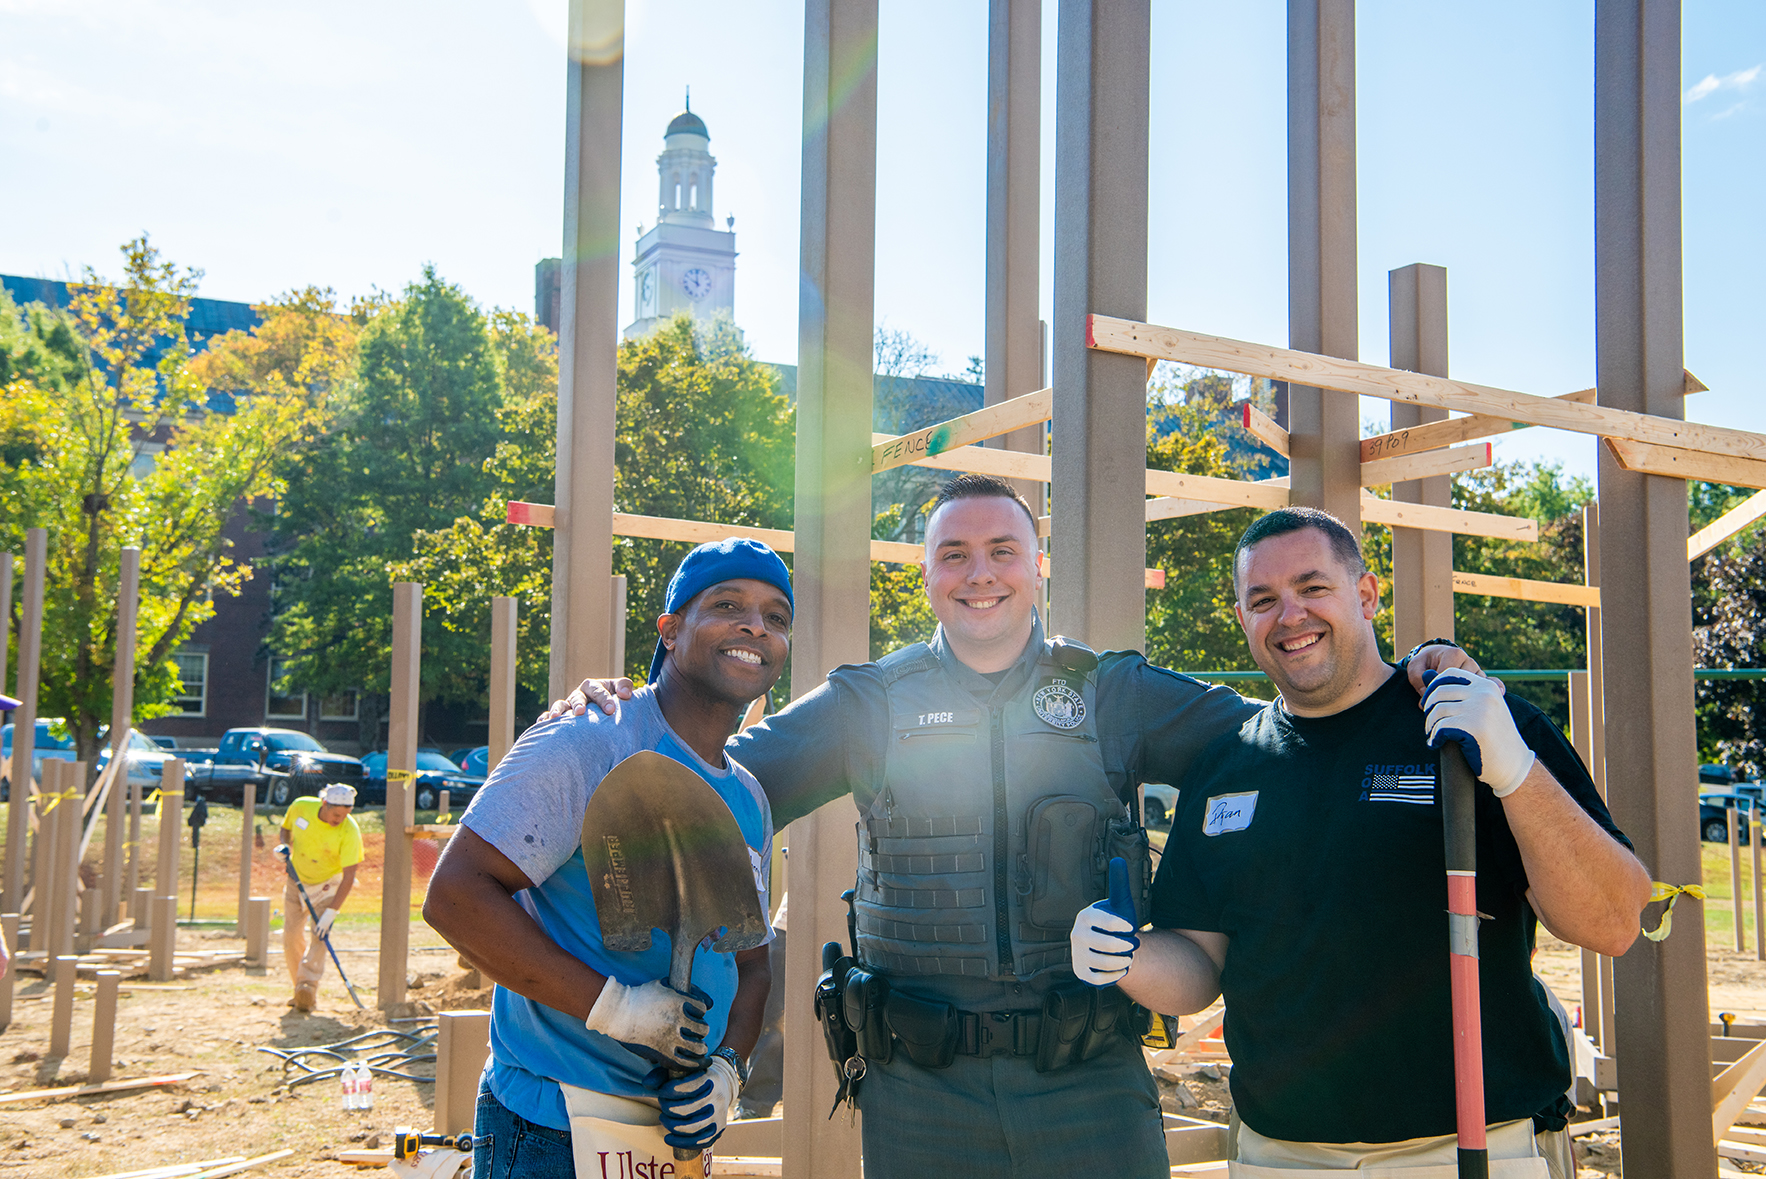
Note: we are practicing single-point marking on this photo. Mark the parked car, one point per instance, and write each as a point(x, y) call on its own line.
point(164, 742)
point(146, 760)
point(1714, 809)
point(434, 772)
point(284, 763)
point(477, 762)
point(1159, 802)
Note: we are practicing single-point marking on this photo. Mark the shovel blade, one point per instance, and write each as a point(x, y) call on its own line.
point(663, 851)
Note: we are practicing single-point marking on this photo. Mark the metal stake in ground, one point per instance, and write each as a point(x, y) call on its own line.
point(198, 817)
point(1458, 805)
point(317, 932)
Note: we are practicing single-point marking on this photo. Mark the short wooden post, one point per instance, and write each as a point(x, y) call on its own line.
point(8, 931)
point(444, 804)
point(104, 1026)
point(401, 754)
point(248, 809)
point(502, 686)
point(1735, 821)
point(257, 932)
point(141, 907)
point(462, 1042)
point(162, 940)
point(122, 712)
point(91, 919)
point(171, 823)
point(61, 1022)
point(24, 719)
point(73, 779)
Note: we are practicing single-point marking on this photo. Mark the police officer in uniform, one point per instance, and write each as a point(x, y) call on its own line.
point(994, 770)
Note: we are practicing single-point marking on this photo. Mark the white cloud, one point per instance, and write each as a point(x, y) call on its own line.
point(1711, 83)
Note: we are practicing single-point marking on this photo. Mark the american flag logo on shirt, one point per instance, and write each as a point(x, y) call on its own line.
point(1392, 784)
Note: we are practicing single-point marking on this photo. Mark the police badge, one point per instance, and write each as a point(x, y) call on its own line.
point(1059, 705)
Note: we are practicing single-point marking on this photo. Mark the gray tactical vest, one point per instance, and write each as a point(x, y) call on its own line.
point(992, 826)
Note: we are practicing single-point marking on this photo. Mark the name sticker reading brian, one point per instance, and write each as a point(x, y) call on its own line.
point(1229, 812)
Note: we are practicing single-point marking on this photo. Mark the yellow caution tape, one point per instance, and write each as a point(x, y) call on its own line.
point(447, 817)
point(393, 775)
point(1670, 893)
point(51, 801)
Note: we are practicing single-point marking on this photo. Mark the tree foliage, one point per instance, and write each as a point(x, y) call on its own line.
point(110, 444)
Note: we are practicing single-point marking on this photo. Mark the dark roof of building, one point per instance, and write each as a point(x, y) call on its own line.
point(687, 123)
point(901, 404)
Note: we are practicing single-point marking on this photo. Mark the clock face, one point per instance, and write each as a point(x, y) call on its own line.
point(647, 289)
point(697, 283)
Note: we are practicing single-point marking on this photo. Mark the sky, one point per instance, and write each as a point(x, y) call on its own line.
point(346, 145)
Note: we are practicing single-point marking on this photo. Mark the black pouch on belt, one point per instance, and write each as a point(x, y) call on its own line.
point(926, 1028)
point(830, 1010)
point(1066, 1014)
point(866, 1000)
point(1112, 1019)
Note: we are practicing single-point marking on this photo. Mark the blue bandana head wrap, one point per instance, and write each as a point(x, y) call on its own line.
point(724, 560)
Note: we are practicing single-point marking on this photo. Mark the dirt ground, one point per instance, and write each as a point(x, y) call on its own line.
point(213, 1021)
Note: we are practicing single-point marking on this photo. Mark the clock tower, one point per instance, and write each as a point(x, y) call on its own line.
point(684, 263)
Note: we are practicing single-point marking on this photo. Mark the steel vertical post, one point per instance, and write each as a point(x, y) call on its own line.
point(1013, 332)
point(24, 719)
point(1324, 426)
point(1098, 495)
point(1422, 561)
point(401, 755)
point(122, 715)
point(1663, 1029)
point(832, 566)
point(588, 346)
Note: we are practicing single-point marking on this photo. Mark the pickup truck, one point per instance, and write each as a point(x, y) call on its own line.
point(290, 762)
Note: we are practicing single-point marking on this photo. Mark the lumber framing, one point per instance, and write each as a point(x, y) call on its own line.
point(1267, 431)
point(1402, 468)
point(1679, 462)
point(1109, 334)
point(1726, 526)
point(981, 460)
point(989, 421)
point(1396, 514)
point(1492, 586)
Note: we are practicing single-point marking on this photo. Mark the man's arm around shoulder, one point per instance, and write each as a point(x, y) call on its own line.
point(1176, 971)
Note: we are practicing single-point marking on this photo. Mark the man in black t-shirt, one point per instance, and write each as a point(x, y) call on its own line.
point(1305, 880)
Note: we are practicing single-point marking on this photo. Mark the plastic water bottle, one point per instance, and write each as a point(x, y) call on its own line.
point(364, 1087)
point(346, 1082)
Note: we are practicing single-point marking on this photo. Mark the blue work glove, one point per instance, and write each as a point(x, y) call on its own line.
point(1103, 937)
point(1461, 706)
point(696, 1106)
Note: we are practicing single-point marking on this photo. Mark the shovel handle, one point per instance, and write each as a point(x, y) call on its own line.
point(1459, 821)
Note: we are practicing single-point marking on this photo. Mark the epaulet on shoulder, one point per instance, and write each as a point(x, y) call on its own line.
point(1073, 655)
point(908, 660)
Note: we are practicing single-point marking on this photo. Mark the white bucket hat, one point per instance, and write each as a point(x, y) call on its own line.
point(337, 794)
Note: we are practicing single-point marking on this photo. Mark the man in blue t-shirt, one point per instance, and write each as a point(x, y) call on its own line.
point(512, 893)
point(1305, 879)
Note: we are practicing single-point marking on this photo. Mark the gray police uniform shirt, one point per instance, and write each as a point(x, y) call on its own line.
point(1151, 724)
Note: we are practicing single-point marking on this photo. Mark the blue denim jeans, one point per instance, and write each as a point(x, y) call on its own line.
point(507, 1146)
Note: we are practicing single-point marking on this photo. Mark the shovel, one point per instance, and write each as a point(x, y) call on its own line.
point(663, 851)
point(1459, 809)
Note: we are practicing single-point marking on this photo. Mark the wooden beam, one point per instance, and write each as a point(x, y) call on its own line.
point(981, 460)
point(1236, 492)
point(986, 422)
point(1681, 463)
point(1424, 466)
point(537, 515)
point(1393, 513)
point(1305, 368)
point(1167, 507)
point(1526, 590)
point(1735, 1087)
point(1265, 429)
point(1724, 526)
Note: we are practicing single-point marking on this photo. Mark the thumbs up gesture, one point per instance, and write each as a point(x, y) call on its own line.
point(1103, 937)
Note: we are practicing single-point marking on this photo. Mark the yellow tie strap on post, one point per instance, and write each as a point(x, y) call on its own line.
point(393, 775)
point(1670, 893)
point(51, 801)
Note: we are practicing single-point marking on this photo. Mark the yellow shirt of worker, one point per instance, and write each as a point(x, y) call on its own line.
point(319, 850)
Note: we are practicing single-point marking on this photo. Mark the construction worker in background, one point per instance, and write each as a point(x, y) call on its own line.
point(325, 845)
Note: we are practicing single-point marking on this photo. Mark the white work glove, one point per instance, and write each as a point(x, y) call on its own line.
point(654, 1020)
point(325, 920)
point(1103, 937)
point(1467, 708)
point(696, 1106)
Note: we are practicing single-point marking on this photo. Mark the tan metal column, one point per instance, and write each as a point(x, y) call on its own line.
point(401, 754)
point(122, 715)
point(1324, 426)
point(1422, 561)
point(588, 346)
point(1663, 1045)
point(24, 719)
point(1098, 497)
point(1013, 360)
point(832, 566)
point(502, 686)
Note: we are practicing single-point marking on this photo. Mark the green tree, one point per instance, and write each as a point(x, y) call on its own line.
point(404, 453)
point(122, 451)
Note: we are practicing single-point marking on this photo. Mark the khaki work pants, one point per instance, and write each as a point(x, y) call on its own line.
point(306, 962)
point(1512, 1145)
